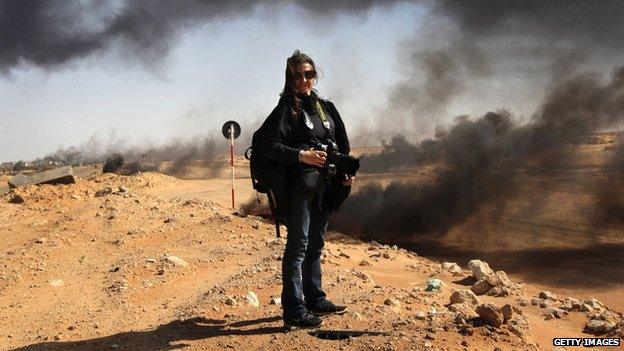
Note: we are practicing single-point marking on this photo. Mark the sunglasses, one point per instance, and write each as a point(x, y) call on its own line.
point(307, 74)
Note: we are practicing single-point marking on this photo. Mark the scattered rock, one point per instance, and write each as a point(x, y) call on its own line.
point(547, 295)
point(364, 276)
point(392, 303)
point(452, 267)
point(499, 291)
point(252, 299)
point(481, 287)
point(572, 304)
point(230, 301)
point(16, 199)
point(491, 314)
point(40, 240)
point(507, 311)
point(434, 285)
point(553, 312)
point(498, 278)
point(480, 270)
point(523, 302)
point(461, 296)
point(365, 263)
point(57, 282)
point(175, 261)
point(275, 301)
point(421, 315)
point(103, 192)
point(465, 310)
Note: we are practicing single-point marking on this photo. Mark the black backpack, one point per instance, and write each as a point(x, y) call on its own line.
point(268, 177)
point(259, 166)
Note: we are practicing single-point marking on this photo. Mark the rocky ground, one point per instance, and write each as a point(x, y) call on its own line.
point(121, 262)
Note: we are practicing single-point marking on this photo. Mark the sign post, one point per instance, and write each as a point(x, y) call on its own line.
point(231, 130)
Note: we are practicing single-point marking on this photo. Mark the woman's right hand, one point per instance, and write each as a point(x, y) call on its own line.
point(313, 157)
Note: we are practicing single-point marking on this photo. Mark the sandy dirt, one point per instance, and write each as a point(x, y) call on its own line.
point(152, 262)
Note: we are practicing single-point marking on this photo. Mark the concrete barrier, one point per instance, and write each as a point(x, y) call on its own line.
point(63, 175)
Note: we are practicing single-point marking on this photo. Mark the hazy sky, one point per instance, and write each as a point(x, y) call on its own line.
point(227, 69)
point(405, 66)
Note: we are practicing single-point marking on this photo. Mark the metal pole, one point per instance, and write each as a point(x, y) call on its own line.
point(232, 160)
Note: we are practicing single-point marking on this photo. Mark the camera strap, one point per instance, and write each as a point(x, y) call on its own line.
point(307, 120)
point(322, 115)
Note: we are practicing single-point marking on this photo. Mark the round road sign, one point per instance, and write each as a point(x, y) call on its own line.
point(226, 129)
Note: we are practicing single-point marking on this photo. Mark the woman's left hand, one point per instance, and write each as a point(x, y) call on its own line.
point(348, 180)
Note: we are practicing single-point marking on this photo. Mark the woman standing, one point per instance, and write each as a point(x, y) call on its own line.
point(299, 129)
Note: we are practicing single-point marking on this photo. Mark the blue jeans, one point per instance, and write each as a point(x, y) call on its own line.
point(301, 266)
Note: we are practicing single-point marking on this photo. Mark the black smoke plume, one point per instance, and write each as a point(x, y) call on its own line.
point(482, 158)
point(52, 33)
point(462, 49)
point(179, 154)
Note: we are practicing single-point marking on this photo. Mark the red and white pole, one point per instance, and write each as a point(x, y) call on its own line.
point(232, 160)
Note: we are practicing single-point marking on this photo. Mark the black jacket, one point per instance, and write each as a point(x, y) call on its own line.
point(279, 145)
point(277, 140)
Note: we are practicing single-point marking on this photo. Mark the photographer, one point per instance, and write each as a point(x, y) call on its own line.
point(303, 129)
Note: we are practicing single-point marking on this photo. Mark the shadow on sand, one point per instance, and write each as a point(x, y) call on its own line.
point(591, 266)
point(166, 337)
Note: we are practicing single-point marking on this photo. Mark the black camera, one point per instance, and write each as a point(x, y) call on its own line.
point(336, 161)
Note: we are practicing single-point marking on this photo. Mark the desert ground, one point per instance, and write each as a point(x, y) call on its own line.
point(155, 262)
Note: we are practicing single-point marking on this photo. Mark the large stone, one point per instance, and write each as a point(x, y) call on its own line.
point(481, 287)
point(596, 326)
point(498, 278)
point(63, 175)
point(480, 270)
point(491, 314)
point(594, 303)
point(461, 296)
